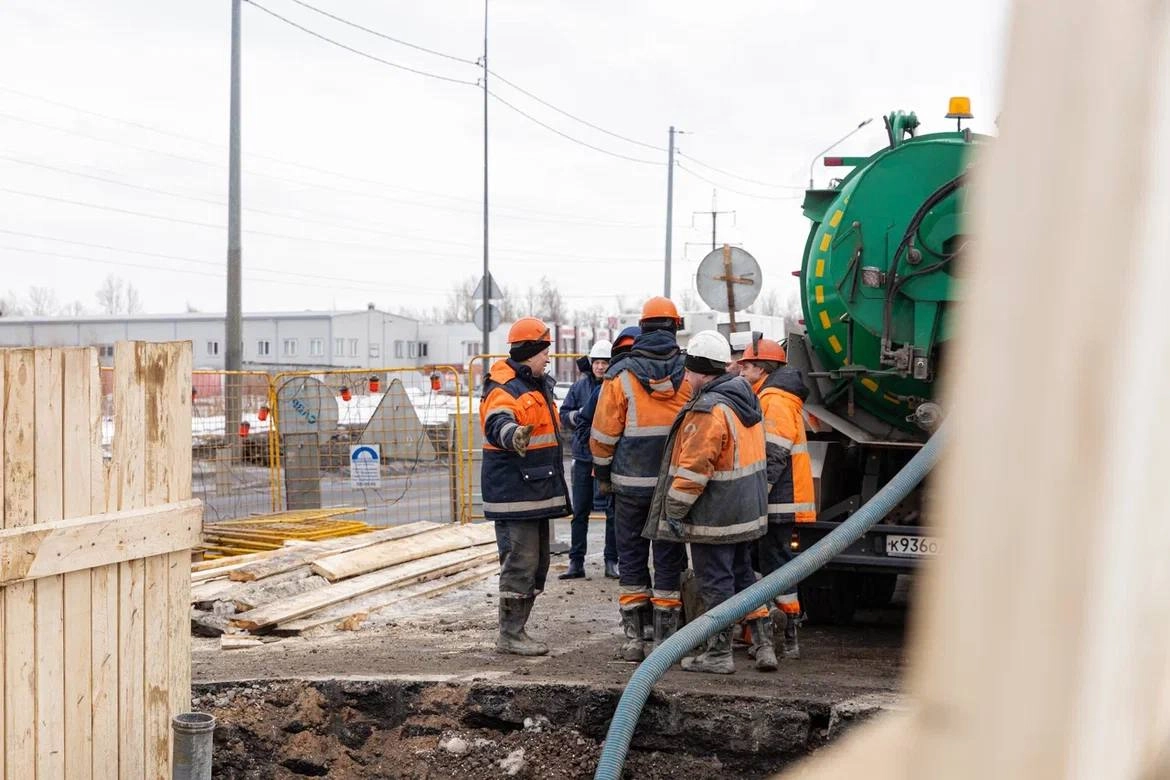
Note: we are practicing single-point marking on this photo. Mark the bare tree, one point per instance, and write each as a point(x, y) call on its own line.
point(688, 300)
point(12, 306)
point(75, 309)
point(552, 305)
point(768, 304)
point(42, 302)
point(117, 296)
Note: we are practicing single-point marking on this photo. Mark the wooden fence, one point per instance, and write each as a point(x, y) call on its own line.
point(94, 562)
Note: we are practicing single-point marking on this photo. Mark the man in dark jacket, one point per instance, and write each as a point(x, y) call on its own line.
point(593, 369)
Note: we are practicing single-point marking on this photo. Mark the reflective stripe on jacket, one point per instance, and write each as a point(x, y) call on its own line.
point(639, 401)
point(792, 498)
point(531, 487)
point(717, 466)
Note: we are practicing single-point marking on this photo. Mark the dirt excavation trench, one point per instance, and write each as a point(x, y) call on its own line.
point(418, 691)
point(421, 729)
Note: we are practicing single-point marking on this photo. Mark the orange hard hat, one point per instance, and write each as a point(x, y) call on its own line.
point(528, 329)
point(765, 349)
point(658, 308)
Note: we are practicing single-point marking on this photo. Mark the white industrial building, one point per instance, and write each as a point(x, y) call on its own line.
point(367, 338)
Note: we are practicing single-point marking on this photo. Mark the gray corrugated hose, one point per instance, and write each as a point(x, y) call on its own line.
point(783, 580)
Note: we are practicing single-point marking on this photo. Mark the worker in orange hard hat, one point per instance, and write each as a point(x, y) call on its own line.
point(639, 400)
point(791, 498)
point(712, 490)
point(522, 477)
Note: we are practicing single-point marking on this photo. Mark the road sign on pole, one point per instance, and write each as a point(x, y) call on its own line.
point(493, 319)
point(494, 291)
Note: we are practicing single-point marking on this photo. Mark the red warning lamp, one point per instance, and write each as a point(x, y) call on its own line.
point(375, 384)
point(436, 383)
point(245, 426)
point(263, 415)
point(345, 394)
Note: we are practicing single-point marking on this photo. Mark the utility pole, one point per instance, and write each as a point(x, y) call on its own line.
point(487, 311)
point(669, 210)
point(233, 327)
point(714, 214)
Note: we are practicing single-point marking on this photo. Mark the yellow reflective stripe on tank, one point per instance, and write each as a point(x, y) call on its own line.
point(628, 481)
point(835, 343)
point(806, 506)
point(836, 218)
point(693, 476)
point(825, 321)
point(826, 241)
point(523, 506)
point(869, 384)
point(819, 291)
point(820, 267)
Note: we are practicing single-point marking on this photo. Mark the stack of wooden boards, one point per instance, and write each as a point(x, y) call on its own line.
point(270, 532)
point(336, 582)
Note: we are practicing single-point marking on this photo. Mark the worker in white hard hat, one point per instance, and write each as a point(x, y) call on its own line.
point(593, 367)
point(712, 488)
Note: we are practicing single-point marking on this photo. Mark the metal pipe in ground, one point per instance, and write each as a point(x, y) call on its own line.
point(193, 733)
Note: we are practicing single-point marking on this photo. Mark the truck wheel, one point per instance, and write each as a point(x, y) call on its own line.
point(875, 590)
point(829, 599)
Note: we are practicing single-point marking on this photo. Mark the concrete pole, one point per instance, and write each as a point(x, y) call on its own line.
point(669, 211)
point(487, 287)
point(233, 354)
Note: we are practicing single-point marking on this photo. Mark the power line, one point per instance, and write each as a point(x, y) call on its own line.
point(542, 255)
point(358, 52)
point(682, 167)
point(575, 118)
point(553, 217)
point(741, 178)
point(384, 35)
point(552, 129)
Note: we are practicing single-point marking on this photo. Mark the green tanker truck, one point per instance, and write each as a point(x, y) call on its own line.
point(880, 271)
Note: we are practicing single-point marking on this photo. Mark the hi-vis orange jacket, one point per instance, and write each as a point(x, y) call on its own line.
point(713, 483)
point(792, 497)
point(642, 394)
point(521, 487)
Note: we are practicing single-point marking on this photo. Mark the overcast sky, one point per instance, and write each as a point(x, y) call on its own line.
point(362, 182)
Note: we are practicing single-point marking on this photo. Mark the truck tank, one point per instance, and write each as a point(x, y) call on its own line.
point(878, 278)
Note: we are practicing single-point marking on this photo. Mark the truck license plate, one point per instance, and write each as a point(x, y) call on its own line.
point(911, 546)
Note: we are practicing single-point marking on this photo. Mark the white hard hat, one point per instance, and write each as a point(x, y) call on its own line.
point(710, 344)
point(601, 350)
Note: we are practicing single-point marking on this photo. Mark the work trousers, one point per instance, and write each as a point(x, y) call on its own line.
point(670, 558)
point(773, 551)
point(722, 570)
point(585, 499)
point(524, 568)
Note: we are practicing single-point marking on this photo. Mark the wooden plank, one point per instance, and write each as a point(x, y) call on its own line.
point(19, 599)
point(212, 590)
point(97, 540)
point(129, 491)
point(177, 396)
point(299, 556)
point(308, 603)
point(159, 368)
point(3, 598)
point(104, 604)
point(77, 486)
point(365, 604)
point(237, 642)
point(379, 556)
point(226, 564)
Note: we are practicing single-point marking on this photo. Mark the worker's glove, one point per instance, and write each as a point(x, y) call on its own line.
point(521, 438)
point(675, 526)
point(675, 512)
point(604, 488)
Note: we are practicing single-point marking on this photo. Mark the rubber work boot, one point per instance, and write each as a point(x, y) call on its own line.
point(576, 571)
point(716, 659)
point(513, 639)
point(791, 645)
point(634, 648)
point(665, 624)
point(611, 570)
point(763, 645)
